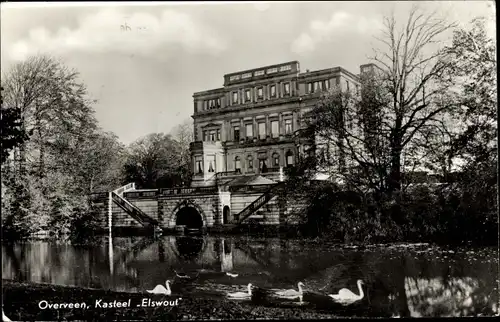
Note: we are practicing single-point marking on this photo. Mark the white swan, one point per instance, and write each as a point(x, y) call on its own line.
point(231, 275)
point(242, 295)
point(181, 275)
point(292, 294)
point(4, 317)
point(160, 289)
point(346, 296)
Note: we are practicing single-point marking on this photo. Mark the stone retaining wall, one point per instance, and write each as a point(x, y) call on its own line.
point(165, 207)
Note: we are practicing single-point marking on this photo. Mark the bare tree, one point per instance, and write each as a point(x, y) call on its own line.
point(414, 82)
point(184, 135)
point(372, 134)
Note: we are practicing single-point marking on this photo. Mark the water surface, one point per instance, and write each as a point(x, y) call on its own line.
point(399, 280)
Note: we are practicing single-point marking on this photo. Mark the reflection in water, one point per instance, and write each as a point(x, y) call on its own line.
point(397, 282)
point(110, 257)
point(226, 256)
point(189, 248)
point(437, 297)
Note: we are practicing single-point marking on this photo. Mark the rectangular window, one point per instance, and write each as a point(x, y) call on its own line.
point(249, 130)
point(235, 97)
point(237, 164)
point(288, 127)
point(259, 73)
point(273, 90)
point(287, 88)
point(262, 166)
point(262, 131)
point(260, 92)
point(347, 82)
point(272, 70)
point(211, 163)
point(199, 166)
point(289, 159)
point(247, 95)
point(275, 129)
point(218, 135)
point(250, 164)
point(212, 135)
point(236, 133)
point(205, 136)
point(276, 160)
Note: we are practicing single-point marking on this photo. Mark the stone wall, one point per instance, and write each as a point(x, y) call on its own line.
point(224, 200)
point(164, 208)
point(100, 211)
point(148, 205)
point(122, 219)
point(293, 212)
point(206, 205)
point(267, 214)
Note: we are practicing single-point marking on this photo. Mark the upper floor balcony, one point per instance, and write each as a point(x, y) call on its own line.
point(203, 145)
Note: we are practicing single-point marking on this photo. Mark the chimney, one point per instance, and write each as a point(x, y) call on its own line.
point(366, 68)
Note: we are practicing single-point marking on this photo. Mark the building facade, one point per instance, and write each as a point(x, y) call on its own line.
point(246, 133)
point(249, 126)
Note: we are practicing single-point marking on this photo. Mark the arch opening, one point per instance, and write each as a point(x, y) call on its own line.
point(189, 217)
point(225, 215)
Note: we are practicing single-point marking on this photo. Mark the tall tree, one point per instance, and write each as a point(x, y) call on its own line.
point(47, 186)
point(382, 128)
point(12, 133)
point(152, 161)
point(475, 143)
point(413, 77)
point(184, 135)
point(52, 103)
point(475, 90)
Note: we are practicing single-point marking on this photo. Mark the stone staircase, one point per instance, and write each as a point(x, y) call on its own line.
point(258, 203)
point(132, 210)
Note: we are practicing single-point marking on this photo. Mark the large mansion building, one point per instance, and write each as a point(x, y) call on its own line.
point(248, 127)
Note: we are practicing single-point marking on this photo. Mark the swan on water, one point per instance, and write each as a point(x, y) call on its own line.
point(242, 295)
point(346, 296)
point(181, 275)
point(4, 317)
point(231, 275)
point(185, 276)
point(291, 293)
point(160, 289)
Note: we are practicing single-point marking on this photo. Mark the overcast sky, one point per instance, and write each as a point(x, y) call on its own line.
point(144, 77)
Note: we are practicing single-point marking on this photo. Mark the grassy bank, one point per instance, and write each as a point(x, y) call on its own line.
point(21, 302)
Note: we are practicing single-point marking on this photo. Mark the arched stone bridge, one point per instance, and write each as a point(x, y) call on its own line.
point(190, 207)
point(195, 207)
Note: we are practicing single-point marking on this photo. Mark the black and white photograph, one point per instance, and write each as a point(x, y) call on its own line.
point(249, 160)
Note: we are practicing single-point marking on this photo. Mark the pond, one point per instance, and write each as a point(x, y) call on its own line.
point(417, 280)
